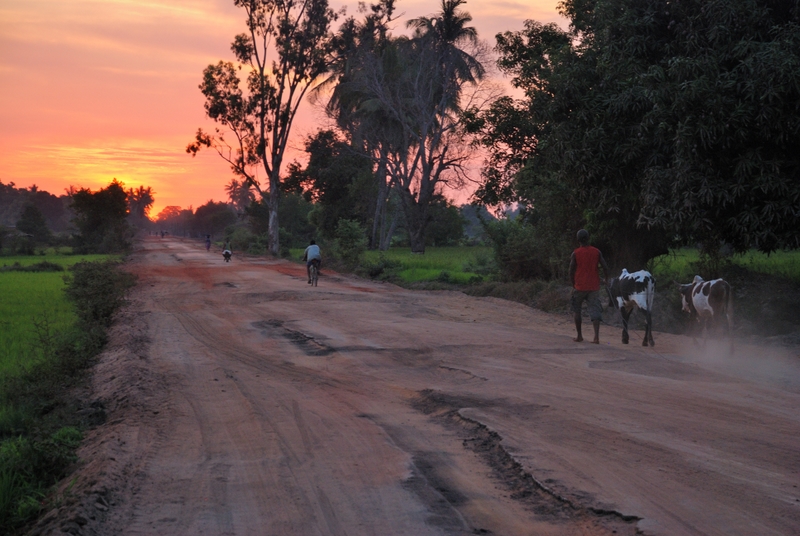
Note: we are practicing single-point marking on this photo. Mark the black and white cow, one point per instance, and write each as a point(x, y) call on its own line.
point(631, 291)
point(709, 301)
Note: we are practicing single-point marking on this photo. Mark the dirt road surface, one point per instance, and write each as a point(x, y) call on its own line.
point(240, 400)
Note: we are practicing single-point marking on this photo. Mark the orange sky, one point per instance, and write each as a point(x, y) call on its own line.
point(96, 89)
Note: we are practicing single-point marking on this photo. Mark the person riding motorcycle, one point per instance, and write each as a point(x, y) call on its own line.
point(312, 256)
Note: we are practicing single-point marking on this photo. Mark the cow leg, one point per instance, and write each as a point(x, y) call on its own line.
point(648, 330)
point(705, 327)
point(626, 314)
point(729, 318)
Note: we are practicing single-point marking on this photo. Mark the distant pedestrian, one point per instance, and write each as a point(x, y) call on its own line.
point(585, 277)
point(208, 242)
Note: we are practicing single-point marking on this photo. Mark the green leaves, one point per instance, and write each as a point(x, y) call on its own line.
point(678, 117)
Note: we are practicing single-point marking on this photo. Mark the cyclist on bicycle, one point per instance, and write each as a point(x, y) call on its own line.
point(312, 256)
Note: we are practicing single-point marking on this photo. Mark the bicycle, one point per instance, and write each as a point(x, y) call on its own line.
point(314, 274)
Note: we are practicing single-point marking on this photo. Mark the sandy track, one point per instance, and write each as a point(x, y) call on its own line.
point(242, 401)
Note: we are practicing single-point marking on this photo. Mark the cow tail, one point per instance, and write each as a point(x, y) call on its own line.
point(650, 295)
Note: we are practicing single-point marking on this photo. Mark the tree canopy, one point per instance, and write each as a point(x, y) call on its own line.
point(101, 219)
point(33, 223)
point(659, 121)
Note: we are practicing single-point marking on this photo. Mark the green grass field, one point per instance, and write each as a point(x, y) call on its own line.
point(460, 264)
point(33, 307)
point(679, 264)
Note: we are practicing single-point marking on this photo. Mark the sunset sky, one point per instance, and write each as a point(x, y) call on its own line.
point(91, 90)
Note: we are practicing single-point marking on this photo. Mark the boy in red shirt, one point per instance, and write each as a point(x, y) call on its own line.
point(585, 277)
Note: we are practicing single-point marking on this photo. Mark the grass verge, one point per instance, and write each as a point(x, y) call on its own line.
point(442, 267)
point(53, 326)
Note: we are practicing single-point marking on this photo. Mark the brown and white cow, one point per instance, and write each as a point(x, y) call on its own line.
point(709, 302)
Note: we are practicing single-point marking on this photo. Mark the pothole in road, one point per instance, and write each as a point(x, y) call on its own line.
point(521, 485)
point(307, 343)
point(436, 492)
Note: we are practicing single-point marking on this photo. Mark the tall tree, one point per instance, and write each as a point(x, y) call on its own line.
point(32, 222)
point(100, 218)
point(140, 201)
point(371, 130)
point(422, 89)
point(285, 47)
point(405, 96)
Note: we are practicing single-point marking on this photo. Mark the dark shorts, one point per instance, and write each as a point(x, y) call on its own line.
point(592, 298)
point(314, 261)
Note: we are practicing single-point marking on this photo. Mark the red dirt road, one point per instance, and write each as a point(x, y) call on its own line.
point(242, 401)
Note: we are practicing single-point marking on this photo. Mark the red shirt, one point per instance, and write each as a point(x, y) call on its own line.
point(587, 276)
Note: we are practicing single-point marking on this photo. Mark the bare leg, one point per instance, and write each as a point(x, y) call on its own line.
point(596, 324)
point(308, 269)
point(579, 338)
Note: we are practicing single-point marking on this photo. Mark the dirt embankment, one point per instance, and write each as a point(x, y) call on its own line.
point(242, 401)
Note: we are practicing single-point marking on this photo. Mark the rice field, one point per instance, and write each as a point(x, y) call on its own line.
point(33, 309)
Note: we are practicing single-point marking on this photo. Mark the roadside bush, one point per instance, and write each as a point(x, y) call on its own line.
point(24, 245)
point(285, 243)
point(383, 268)
point(97, 289)
point(240, 238)
point(351, 242)
point(259, 245)
point(482, 263)
point(28, 467)
point(43, 266)
point(521, 252)
point(549, 296)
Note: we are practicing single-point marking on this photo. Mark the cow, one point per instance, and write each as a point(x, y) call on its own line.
point(709, 301)
point(630, 291)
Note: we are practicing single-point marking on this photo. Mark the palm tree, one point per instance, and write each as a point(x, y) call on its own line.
point(399, 98)
point(140, 200)
point(448, 31)
point(240, 194)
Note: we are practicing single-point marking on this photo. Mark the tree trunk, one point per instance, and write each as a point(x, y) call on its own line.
point(273, 233)
point(380, 201)
point(386, 239)
point(416, 222)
